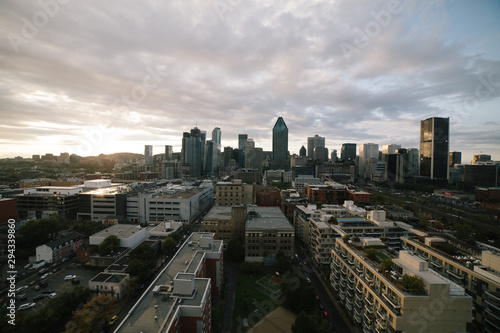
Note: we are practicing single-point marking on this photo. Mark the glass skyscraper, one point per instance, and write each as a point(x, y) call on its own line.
point(434, 147)
point(280, 145)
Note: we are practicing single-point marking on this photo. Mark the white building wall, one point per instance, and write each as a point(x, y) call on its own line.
point(43, 252)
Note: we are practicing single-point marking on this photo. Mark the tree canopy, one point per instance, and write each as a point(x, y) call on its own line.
point(109, 244)
point(414, 284)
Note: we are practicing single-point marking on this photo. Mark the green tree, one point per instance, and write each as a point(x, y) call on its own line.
point(414, 284)
point(88, 228)
point(168, 244)
point(371, 253)
point(87, 319)
point(176, 236)
point(142, 252)
point(387, 264)
point(109, 244)
point(463, 230)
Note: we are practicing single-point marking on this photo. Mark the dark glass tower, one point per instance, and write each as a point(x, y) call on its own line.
point(280, 145)
point(348, 152)
point(434, 147)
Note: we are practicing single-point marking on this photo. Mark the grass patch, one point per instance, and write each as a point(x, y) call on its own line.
point(248, 296)
point(381, 256)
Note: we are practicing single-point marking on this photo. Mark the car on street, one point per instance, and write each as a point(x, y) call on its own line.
point(46, 275)
point(26, 306)
point(113, 320)
point(53, 295)
point(21, 296)
point(47, 292)
point(69, 277)
point(21, 289)
point(39, 297)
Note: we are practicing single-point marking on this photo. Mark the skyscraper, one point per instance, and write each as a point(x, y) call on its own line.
point(242, 139)
point(348, 152)
point(302, 151)
point(168, 153)
point(455, 158)
point(434, 147)
point(313, 142)
point(280, 145)
point(366, 151)
point(148, 155)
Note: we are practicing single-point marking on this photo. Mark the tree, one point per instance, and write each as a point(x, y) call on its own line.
point(176, 236)
point(88, 228)
point(311, 323)
point(109, 244)
point(414, 284)
point(371, 253)
point(87, 319)
point(463, 230)
point(142, 252)
point(387, 264)
point(423, 221)
point(168, 244)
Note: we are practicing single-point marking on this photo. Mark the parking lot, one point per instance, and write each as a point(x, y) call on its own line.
point(55, 282)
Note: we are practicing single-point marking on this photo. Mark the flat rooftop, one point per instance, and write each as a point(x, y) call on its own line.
point(141, 318)
point(184, 192)
point(109, 277)
point(266, 218)
point(119, 230)
point(219, 213)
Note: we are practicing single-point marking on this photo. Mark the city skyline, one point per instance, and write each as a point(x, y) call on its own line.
point(113, 77)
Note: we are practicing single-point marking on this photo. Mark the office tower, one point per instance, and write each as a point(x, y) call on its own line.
point(348, 152)
point(481, 158)
point(334, 156)
point(367, 151)
point(313, 142)
point(192, 152)
point(228, 155)
point(302, 151)
point(185, 153)
point(253, 158)
point(242, 139)
point(280, 145)
point(413, 162)
point(390, 149)
point(434, 147)
point(168, 153)
point(455, 158)
point(210, 157)
point(320, 154)
point(391, 164)
point(148, 155)
point(216, 138)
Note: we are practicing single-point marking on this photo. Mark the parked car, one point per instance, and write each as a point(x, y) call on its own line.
point(39, 297)
point(21, 296)
point(43, 271)
point(69, 277)
point(26, 306)
point(36, 288)
point(47, 292)
point(113, 320)
point(53, 295)
point(46, 275)
point(75, 281)
point(43, 284)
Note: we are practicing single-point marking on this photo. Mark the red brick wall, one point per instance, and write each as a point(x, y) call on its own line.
point(8, 210)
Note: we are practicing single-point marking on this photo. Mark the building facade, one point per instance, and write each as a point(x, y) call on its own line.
point(280, 145)
point(434, 148)
point(233, 193)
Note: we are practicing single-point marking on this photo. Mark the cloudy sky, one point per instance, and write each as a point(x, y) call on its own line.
point(91, 77)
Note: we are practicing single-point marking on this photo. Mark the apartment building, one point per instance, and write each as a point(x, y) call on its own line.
point(377, 300)
point(321, 240)
point(180, 298)
point(480, 278)
point(267, 231)
point(233, 193)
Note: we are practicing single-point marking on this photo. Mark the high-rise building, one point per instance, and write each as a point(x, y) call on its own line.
point(413, 161)
point(390, 149)
point(320, 154)
point(313, 142)
point(334, 156)
point(481, 158)
point(168, 153)
point(192, 152)
point(434, 147)
point(455, 158)
point(228, 155)
point(280, 145)
point(302, 151)
point(242, 139)
point(348, 151)
point(148, 155)
point(366, 151)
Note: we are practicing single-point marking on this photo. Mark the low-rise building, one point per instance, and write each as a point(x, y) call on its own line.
point(60, 248)
point(267, 232)
point(129, 235)
point(44, 201)
point(226, 223)
point(112, 284)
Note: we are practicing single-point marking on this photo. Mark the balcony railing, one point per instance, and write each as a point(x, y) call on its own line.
point(359, 288)
point(455, 275)
point(381, 314)
point(359, 270)
point(369, 301)
point(350, 262)
point(392, 301)
point(369, 309)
